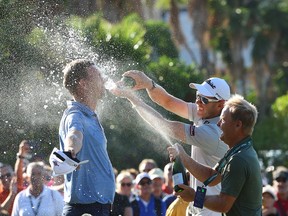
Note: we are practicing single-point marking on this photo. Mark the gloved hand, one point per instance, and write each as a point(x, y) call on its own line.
point(63, 163)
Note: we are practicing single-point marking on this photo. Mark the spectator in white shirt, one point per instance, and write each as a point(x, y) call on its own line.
point(37, 199)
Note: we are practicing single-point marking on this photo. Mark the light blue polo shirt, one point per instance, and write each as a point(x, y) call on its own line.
point(94, 181)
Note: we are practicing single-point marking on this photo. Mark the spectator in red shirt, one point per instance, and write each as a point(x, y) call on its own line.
point(11, 182)
point(280, 183)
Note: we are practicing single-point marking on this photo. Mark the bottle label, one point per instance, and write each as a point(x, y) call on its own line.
point(178, 179)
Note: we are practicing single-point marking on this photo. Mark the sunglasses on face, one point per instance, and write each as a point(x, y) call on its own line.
point(142, 183)
point(7, 175)
point(205, 100)
point(129, 184)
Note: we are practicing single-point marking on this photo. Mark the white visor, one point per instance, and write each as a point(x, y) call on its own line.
point(61, 164)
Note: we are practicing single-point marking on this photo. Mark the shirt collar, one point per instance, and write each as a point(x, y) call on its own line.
point(83, 108)
point(211, 120)
point(41, 194)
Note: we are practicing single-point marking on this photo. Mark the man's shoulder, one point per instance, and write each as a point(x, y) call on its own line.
point(72, 112)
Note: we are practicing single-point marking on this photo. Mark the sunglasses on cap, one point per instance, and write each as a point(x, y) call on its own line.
point(205, 100)
point(7, 175)
point(123, 184)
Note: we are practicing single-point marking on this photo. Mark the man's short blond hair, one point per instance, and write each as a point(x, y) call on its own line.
point(244, 111)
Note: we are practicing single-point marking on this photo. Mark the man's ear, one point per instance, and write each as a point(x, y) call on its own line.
point(82, 82)
point(238, 123)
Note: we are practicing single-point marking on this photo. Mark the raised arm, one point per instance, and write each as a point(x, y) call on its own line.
point(173, 129)
point(158, 94)
point(24, 149)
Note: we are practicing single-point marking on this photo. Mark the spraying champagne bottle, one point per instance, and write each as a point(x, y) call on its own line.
point(128, 82)
point(178, 174)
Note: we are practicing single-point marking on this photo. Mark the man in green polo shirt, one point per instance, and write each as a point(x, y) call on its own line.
point(238, 171)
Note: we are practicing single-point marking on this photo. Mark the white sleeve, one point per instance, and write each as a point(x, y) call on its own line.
point(206, 137)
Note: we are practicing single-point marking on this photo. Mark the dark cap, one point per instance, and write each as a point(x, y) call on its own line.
point(280, 172)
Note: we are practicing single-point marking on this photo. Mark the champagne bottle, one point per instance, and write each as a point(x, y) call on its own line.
point(128, 82)
point(178, 174)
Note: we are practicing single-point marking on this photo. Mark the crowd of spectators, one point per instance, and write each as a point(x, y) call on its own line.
point(29, 187)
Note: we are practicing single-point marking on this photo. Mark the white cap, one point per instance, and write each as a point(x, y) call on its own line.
point(156, 173)
point(269, 189)
point(213, 87)
point(140, 176)
point(61, 164)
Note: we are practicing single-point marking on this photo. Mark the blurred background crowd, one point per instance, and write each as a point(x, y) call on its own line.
point(29, 184)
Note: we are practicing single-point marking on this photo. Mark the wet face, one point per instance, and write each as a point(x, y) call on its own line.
point(94, 82)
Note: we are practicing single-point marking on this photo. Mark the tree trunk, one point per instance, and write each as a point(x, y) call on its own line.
point(236, 68)
point(198, 11)
point(82, 8)
point(263, 76)
point(115, 10)
point(177, 33)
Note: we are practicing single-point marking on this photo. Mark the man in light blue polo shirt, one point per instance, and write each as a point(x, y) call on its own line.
point(91, 188)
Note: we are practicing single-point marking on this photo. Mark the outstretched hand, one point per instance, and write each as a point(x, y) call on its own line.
point(141, 79)
point(187, 194)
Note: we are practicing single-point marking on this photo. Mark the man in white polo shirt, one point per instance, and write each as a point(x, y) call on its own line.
point(203, 135)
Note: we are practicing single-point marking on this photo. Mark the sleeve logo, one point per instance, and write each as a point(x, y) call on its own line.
point(192, 130)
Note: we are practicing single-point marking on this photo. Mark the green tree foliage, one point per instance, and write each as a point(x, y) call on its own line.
point(158, 36)
point(270, 133)
point(175, 76)
point(280, 109)
point(123, 41)
point(37, 39)
point(131, 43)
